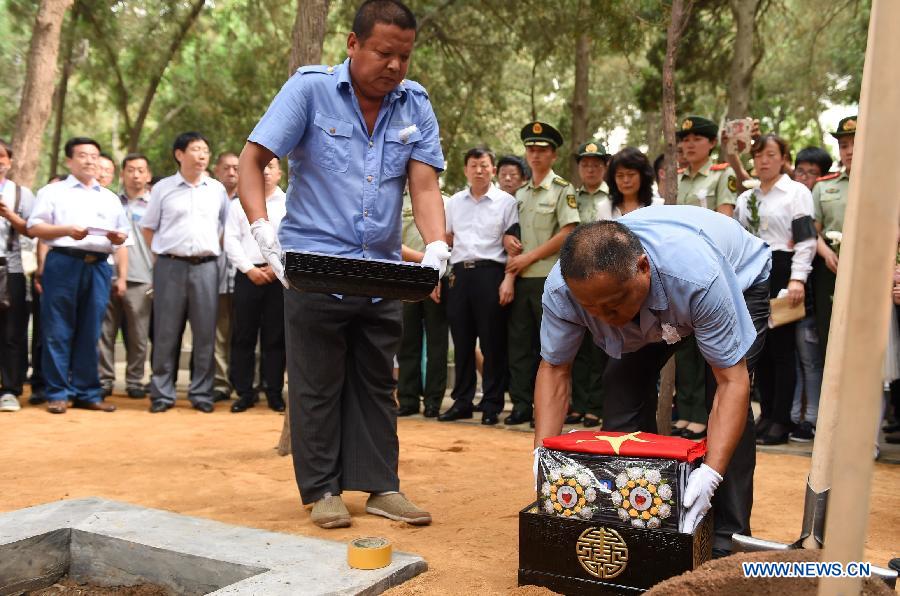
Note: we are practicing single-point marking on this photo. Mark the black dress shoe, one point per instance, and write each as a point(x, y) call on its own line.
point(574, 418)
point(136, 393)
point(408, 410)
point(204, 406)
point(693, 436)
point(517, 418)
point(219, 395)
point(456, 412)
point(158, 405)
point(37, 399)
point(432, 411)
point(678, 432)
point(762, 426)
point(477, 407)
point(276, 403)
point(591, 422)
point(777, 434)
point(241, 404)
point(489, 419)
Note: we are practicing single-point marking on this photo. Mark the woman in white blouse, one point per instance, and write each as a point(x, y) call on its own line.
point(629, 176)
point(779, 211)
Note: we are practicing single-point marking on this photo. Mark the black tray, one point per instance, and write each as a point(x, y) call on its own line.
point(328, 274)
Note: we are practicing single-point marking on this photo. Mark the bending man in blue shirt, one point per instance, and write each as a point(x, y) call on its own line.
point(639, 285)
point(353, 133)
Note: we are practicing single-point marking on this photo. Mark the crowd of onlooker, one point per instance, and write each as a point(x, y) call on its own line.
point(81, 261)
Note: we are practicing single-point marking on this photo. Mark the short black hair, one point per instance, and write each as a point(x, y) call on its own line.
point(75, 141)
point(386, 12)
point(631, 158)
point(600, 247)
point(659, 162)
point(109, 157)
point(224, 155)
point(7, 147)
point(134, 157)
point(477, 152)
point(185, 139)
point(816, 156)
point(512, 160)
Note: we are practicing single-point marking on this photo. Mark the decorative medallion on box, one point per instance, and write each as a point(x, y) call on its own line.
point(602, 552)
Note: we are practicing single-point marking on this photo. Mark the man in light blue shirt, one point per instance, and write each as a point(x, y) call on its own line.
point(640, 285)
point(353, 133)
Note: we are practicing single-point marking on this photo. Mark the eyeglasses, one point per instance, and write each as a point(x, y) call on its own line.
point(803, 173)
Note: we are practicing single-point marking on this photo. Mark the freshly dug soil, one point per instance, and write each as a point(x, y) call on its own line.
point(68, 587)
point(725, 576)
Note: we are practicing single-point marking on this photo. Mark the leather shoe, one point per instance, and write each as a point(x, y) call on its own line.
point(762, 426)
point(456, 412)
point(276, 403)
point(432, 411)
point(574, 418)
point(778, 434)
point(517, 418)
point(489, 418)
point(204, 406)
point(241, 404)
point(408, 410)
point(693, 436)
point(158, 405)
point(136, 392)
point(591, 422)
point(37, 399)
point(220, 395)
point(97, 406)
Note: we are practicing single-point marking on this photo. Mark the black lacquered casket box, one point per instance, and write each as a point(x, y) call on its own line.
point(609, 507)
point(328, 274)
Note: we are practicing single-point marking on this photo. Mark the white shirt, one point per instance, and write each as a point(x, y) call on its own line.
point(605, 209)
point(240, 246)
point(478, 226)
point(71, 203)
point(186, 220)
point(26, 204)
point(786, 201)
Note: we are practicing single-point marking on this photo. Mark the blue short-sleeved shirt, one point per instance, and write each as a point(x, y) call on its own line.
point(700, 264)
point(345, 190)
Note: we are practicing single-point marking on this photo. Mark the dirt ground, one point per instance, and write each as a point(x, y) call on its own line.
point(223, 466)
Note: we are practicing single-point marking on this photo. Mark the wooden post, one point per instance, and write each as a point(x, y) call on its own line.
point(862, 301)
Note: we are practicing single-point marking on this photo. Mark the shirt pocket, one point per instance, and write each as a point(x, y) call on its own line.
point(397, 150)
point(331, 143)
point(545, 219)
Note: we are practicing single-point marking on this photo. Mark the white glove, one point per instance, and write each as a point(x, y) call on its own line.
point(698, 496)
point(534, 467)
point(436, 255)
point(265, 235)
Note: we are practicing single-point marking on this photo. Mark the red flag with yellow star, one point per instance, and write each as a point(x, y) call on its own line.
point(636, 444)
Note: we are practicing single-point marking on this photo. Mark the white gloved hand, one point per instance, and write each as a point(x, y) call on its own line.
point(534, 467)
point(436, 255)
point(698, 496)
point(267, 238)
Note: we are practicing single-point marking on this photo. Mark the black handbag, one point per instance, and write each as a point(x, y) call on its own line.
point(4, 262)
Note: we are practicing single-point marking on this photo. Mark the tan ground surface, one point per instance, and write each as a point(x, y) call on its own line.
point(223, 466)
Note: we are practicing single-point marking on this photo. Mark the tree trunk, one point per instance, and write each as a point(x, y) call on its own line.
point(681, 10)
point(306, 48)
point(59, 98)
point(580, 98)
point(37, 94)
point(742, 63)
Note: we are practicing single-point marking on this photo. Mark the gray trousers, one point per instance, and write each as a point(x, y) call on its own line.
point(340, 386)
point(179, 289)
point(135, 308)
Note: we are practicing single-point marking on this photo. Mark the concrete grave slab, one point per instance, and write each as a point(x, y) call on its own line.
point(112, 543)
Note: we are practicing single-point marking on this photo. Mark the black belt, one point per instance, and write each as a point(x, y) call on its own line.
point(191, 260)
point(88, 256)
point(476, 264)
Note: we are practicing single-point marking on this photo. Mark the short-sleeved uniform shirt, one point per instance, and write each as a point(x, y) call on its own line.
point(711, 186)
point(543, 210)
point(345, 186)
point(701, 262)
point(830, 200)
point(589, 202)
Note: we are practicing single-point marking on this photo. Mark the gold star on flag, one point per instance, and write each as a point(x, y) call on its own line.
point(615, 442)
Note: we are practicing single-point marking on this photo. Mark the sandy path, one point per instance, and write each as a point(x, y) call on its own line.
point(223, 466)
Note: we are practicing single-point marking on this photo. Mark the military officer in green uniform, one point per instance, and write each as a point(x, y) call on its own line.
point(714, 186)
point(428, 317)
point(548, 212)
point(590, 362)
point(829, 202)
point(703, 183)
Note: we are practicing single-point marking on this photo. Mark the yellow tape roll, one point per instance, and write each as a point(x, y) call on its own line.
point(369, 553)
